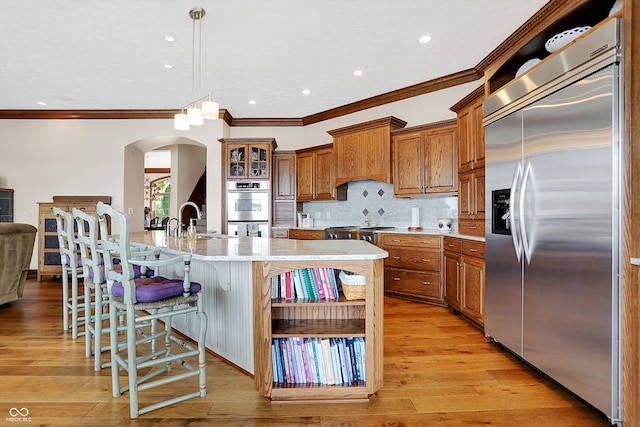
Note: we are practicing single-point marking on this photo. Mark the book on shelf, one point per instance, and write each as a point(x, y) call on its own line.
point(355, 375)
point(335, 357)
point(361, 357)
point(321, 361)
point(306, 283)
point(316, 282)
point(298, 284)
point(311, 287)
point(326, 284)
point(327, 361)
point(287, 285)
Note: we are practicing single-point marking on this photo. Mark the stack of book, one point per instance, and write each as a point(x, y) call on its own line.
point(325, 361)
point(306, 283)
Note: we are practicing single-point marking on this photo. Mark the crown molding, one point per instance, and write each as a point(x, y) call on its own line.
point(553, 11)
point(375, 101)
point(434, 85)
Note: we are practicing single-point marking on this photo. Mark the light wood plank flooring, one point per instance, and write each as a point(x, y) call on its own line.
point(439, 370)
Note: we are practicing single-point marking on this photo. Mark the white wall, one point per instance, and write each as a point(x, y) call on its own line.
point(43, 158)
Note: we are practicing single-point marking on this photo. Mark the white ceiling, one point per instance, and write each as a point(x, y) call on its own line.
point(110, 54)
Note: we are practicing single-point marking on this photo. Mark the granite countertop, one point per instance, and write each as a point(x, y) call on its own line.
point(402, 230)
point(434, 231)
point(216, 247)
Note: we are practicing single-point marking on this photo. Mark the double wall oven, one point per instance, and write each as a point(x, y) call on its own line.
point(248, 208)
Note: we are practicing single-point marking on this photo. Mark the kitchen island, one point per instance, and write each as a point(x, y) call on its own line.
point(236, 274)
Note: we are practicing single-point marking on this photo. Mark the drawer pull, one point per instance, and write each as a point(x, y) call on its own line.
point(396, 240)
point(473, 227)
point(451, 246)
point(395, 278)
point(395, 257)
point(426, 283)
point(473, 250)
point(425, 260)
point(426, 242)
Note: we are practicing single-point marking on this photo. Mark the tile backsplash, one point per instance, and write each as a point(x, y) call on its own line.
point(374, 200)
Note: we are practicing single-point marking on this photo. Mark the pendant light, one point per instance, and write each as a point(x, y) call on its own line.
point(205, 107)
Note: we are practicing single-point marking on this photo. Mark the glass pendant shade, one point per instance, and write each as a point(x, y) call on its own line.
point(194, 115)
point(210, 110)
point(181, 122)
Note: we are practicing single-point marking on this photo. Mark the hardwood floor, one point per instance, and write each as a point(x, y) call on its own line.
point(439, 370)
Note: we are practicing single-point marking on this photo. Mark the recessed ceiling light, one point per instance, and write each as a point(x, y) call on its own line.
point(170, 39)
point(358, 73)
point(306, 92)
point(252, 102)
point(424, 39)
point(168, 66)
point(42, 103)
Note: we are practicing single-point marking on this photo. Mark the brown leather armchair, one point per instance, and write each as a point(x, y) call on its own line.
point(16, 249)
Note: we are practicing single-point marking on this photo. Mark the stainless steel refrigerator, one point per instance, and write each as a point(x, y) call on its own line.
point(553, 241)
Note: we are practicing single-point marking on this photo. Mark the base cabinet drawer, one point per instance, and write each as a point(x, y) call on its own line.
point(413, 259)
point(471, 227)
point(412, 282)
point(412, 269)
point(296, 233)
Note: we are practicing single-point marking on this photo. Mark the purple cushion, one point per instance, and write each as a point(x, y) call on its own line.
point(118, 268)
point(79, 260)
point(151, 289)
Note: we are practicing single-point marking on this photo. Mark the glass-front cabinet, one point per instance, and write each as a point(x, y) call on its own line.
point(248, 158)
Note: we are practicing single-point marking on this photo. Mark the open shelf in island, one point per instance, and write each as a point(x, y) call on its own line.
point(321, 328)
point(315, 319)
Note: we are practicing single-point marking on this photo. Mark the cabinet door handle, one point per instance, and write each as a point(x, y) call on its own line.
point(395, 257)
point(395, 278)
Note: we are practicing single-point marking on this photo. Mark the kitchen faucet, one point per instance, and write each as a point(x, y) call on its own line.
point(179, 228)
point(169, 225)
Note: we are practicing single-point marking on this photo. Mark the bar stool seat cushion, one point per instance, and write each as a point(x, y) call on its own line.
point(151, 289)
point(136, 272)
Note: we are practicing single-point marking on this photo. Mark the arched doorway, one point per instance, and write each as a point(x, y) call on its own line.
point(188, 164)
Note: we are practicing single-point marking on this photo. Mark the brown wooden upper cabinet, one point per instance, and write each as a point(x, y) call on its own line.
point(248, 158)
point(284, 175)
point(315, 175)
point(363, 151)
point(471, 177)
point(425, 159)
point(470, 131)
point(284, 190)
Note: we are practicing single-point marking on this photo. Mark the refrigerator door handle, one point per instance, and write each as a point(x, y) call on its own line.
point(526, 247)
point(517, 242)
